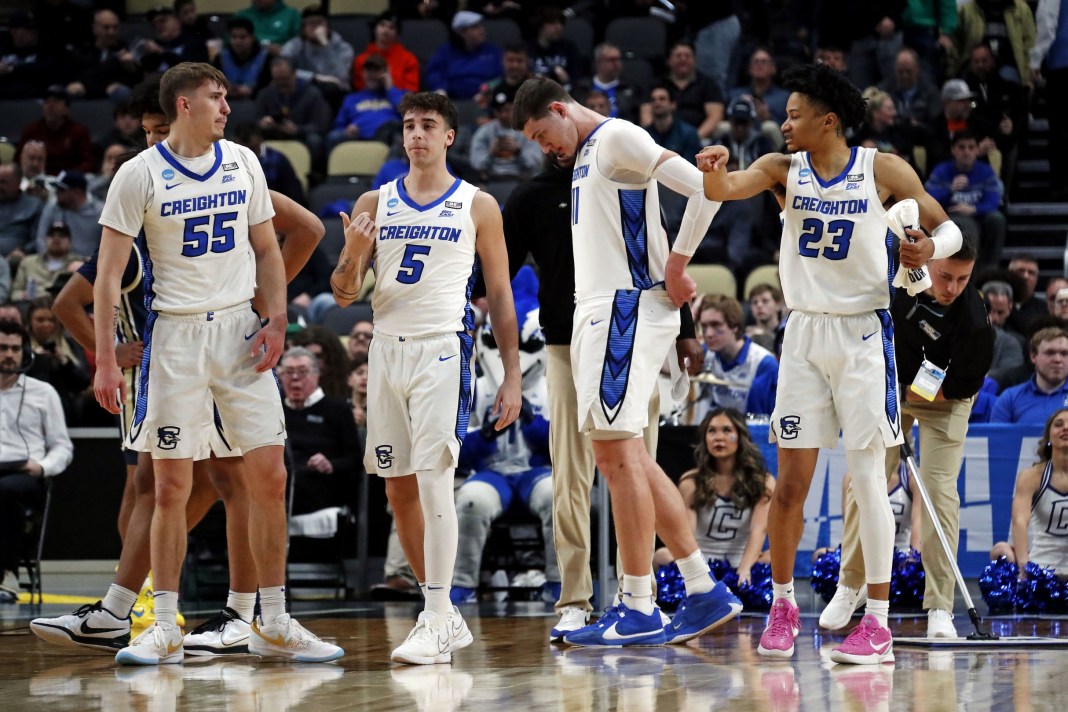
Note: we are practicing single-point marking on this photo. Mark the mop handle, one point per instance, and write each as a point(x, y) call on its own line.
point(906, 450)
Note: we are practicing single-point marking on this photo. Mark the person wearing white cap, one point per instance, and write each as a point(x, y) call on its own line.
point(958, 114)
point(462, 66)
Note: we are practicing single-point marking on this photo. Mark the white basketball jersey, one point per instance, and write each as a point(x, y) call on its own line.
point(195, 214)
point(723, 530)
point(424, 261)
point(835, 253)
point(1049, 525)
point(901, 506)
point(619, 242)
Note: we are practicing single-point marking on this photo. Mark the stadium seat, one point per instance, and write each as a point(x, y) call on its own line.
point(242, 111)
point(713, 279)
point(579, 32)
point(765, 274)
point(638, 71)
point(98, 115)
point(423, 37)
point(356, 7)
point(354, 29)
point(500, 189)
point(503, 32)
point(361, 158)
point(7, 151)
point(16, 114)
point(326, 193)
point(333, 239)
point(340, 320)
point(298, 155)
point(644, 36)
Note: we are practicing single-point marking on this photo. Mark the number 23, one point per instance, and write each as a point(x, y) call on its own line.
point(841, 232)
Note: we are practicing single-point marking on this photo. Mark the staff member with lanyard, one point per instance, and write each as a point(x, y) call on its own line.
point(945, 345)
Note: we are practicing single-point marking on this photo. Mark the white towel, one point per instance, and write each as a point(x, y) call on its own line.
point(680, 379)
point(321, 524)
point(906, 214)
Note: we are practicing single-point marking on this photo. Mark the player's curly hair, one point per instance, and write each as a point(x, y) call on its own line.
point(144, 99)
point(829, 89)
point(750, 472)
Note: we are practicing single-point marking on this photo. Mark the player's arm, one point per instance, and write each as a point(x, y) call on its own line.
point(758, 532)
point(1026, 485)
point(494, 257)
point(302, 230)
point(688, 490)
point(109, 386)
point(677, 173)
point(765, 173)
point(898, 179)
point(359, 249)
point(271, 282)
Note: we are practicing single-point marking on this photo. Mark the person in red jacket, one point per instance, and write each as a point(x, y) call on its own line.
point(67, 142)
point(403, 65)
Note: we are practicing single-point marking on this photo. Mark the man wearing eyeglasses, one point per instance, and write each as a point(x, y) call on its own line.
point(321, 432)
point(1034, 400)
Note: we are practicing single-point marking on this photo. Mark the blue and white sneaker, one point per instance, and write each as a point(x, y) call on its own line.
point(460, 595)
point(620, 626)
point(702, 612)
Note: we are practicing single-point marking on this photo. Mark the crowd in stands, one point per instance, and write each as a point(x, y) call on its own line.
point(948, 93)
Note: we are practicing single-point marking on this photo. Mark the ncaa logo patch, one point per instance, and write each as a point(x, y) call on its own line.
point(804, 173)
point(392, 203)
point(167, 174)
point(789, 426)
point(168, 437)
point(384, 453)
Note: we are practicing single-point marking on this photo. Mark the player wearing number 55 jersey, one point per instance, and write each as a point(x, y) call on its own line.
point(421, 234)
point(837, 370)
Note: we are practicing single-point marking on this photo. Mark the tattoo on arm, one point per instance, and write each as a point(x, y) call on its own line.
point(116, 313)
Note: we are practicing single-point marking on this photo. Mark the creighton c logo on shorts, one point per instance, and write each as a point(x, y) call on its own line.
point(384, 453)
point(168, 437)
point(789, 426)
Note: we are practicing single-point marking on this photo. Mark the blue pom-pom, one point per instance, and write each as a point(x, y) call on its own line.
point(670, 586)
point(758, 594)
point(1042, 592)
point(825, 573)
point(998, 583)
point(907, 579)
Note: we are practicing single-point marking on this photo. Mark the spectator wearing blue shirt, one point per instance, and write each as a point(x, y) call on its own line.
point(971, 191)
point(371, 113)
point(276, 167)
point(732, 356)
point(1034, 400)
point(460, 68)
point(245, 62)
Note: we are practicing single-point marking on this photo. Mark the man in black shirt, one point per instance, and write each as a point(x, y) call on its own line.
point(537, 222)
point(944, 329)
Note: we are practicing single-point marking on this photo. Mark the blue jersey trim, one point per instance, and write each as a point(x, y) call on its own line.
point(635, 229)
point(587, 139)
point(891, 369)
point(141, 403)
point(838, 178)
point(622, 334)
point(463, 402)
point(176, 164)
point(422, 208)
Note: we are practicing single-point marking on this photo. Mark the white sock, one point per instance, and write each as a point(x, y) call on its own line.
point(638, 594)
point(879, 609)
point(272, 604)
point(784, 590)
point(440, 537)
point(695, 573)
point(243, 604)
point(166, 605)
point(119, 601)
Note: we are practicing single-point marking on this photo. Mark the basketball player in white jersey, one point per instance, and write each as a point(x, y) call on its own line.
point(205, 211)
point(1039, 533)
point(628, 287)
point(421, 234)
point(837, 370)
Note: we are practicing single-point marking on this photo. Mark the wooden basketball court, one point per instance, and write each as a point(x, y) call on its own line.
point(511, 666)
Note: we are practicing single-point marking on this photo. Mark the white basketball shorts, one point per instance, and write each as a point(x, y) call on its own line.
point(618, 345)
point(191, 360)
point(418, 402)
point(837, 374)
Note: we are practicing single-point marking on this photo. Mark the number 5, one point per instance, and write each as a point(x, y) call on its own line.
point(411, 267)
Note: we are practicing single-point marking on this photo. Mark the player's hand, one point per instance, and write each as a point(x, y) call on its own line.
point(320, 463)
point(680, 286)
point(269, 341)
point(129, 355)
point(712, 158)
point(691, 355)
point(109, 387)
point(509, 401)
point(915, 254)
point(360, 227)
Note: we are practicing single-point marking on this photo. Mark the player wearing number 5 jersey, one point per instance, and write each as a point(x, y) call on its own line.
point(421, 234)
point(837, 370)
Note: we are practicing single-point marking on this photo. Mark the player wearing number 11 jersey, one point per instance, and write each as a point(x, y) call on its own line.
point(421, 234)
point(837, 371)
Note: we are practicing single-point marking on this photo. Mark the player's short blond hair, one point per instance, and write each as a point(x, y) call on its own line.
point(186, 77)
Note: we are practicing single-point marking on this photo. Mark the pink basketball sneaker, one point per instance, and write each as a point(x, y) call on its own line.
point(868, 644)
point(784, 623)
